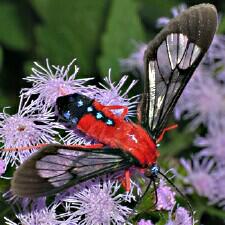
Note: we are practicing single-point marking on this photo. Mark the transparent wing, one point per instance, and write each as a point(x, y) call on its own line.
point(170, 60)
point(57, 167)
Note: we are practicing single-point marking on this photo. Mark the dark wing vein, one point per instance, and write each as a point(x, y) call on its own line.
point(48, 171)
point(170, 60)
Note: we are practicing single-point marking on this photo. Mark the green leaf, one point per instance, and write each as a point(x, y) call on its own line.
point(1, 58)
point(178, 142)
point(123, 27)
point(70, 29)
point(5, 210)
point(151, 10)
point(14, 27)
point(221, 28)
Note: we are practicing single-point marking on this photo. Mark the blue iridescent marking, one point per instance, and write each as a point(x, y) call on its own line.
point(89, 109)
point(109, 122)
point(99, 115)
point(67, 115)
point(80, 103)
point(74, 120)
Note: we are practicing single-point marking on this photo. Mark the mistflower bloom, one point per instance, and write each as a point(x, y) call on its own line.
point(215, 56)
point(175, 11)
point(203, 101)
point(182, 216)
point(213, 143)
point(40, 214)
point(53, 81)
point(135, 62)
point(166, 197)
point(145, 222)
point(2, 167)
point(98, 202)
point(207, 178)
point(25, 128)
point(112, 94)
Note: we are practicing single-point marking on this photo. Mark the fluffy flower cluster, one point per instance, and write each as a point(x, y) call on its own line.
point(180, 216)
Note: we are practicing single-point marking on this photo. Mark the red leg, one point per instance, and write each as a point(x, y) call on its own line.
point(111, 107)
point(164, 131)
point(126, 180)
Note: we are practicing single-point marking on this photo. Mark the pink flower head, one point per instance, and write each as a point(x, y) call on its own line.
point(166, 197)
point(112, 94)
point(40, 214)
point(213, 143)
point(203, 101)
point(25, 128)
point(145, 222)
point(215, 56)
point(181, 217)
point(2, 167)
point(207, 178)
point(53, 81)
point(98, 202)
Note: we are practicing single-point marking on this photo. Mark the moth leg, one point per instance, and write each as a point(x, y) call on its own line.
point(111, 107)
point(91, 146)
point(125, 181)
point(164, 131)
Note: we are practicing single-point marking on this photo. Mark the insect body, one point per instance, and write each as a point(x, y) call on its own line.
point(170, 60)
point(98, 121)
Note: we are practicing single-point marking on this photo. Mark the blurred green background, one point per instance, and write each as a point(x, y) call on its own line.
point(98, 33)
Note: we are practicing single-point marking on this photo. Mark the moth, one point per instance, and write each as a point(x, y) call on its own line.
point(170, 60)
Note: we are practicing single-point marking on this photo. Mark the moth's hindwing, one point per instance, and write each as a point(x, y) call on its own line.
point(170, 60)
point(57, 167)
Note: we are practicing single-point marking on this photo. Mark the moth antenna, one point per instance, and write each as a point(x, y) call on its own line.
point(180, 193)
point(155, 191)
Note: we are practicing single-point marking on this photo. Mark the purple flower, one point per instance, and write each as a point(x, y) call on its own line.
point(135, 62)
point(181, 217)
point(2, 167)
point(166, 197)
point(213, 143)
point(52, 82)
point(203, 101)
point(207, 178)
point(25, 129)
point(145, 222)
point(175, 11)
point(98, 202)
point(215, 57)
point(40, 214)
point(111, 94)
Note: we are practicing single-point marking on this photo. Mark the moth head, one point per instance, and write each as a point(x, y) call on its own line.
point(152, 171)
point(70, 108)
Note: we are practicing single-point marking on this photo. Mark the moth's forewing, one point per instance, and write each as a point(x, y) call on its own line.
point(170, 60)
point(57, 167)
